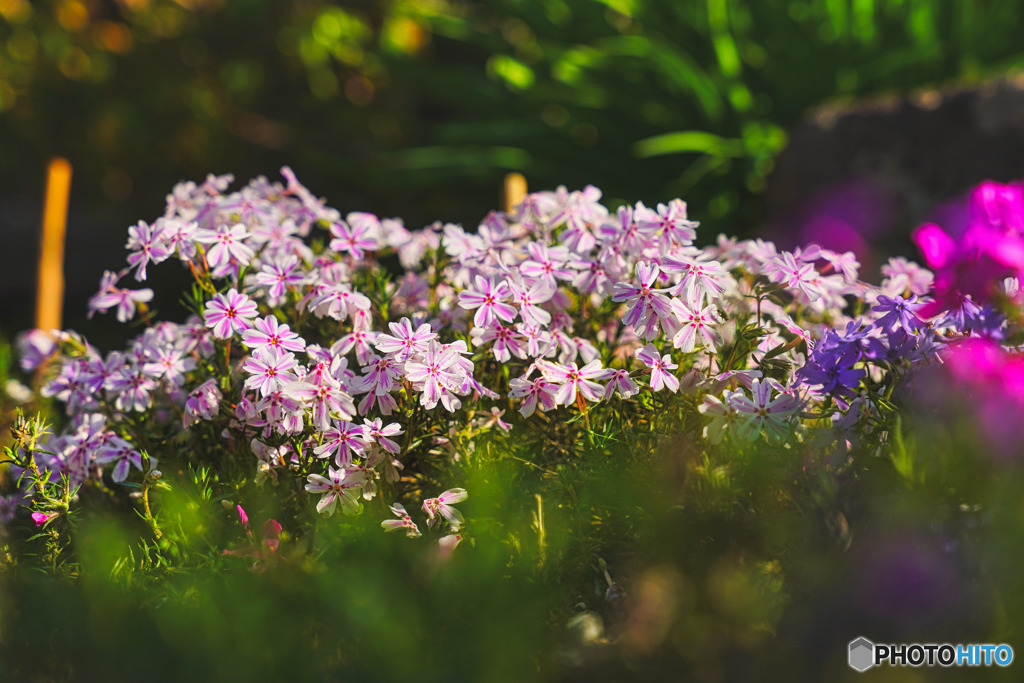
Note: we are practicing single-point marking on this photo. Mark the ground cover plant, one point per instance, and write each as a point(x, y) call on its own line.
point(567, 443)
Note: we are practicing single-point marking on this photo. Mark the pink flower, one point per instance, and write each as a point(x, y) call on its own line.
point(537, 392)
point(529, 300)
point(359, 237)
point(339, 487)
point(696, 325)
point(269, 369)
point(547, 264)
point(700, 278)
point(622, 383)
point(41, 518)
point(439, 507)
point(488, 301)
point(507, 341)
point(763, 412)
point(404, 522)
point(229, 248)
point(403, 341)
point(229, 313)
point(278, 276)
point(342, 440)
point(433, 374)
point(661, 375)
point(575, 380)
point(670, 223)
point(374, 430)
point(202, 404)
point(268, 332)
point(647, 306)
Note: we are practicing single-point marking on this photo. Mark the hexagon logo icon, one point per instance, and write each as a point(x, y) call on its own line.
point(862, 654)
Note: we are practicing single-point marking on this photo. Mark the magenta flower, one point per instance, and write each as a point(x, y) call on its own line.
point(41, 518)
point(439, 507)
point(230, 313)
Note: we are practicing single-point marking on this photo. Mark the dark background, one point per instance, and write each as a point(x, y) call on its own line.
point(843, 121)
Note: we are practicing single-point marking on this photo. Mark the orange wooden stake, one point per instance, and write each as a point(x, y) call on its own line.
point(50, 286)
point(515, 191)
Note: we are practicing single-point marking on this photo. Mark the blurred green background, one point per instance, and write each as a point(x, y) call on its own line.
point(418, 109)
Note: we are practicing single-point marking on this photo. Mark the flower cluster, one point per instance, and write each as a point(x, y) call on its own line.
point(303, 347)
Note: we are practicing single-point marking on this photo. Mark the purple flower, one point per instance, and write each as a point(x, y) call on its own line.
point(110, 296)
point(898, 310)
point(147, 246)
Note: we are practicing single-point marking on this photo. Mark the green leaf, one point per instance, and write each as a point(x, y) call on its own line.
point(683, 141)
